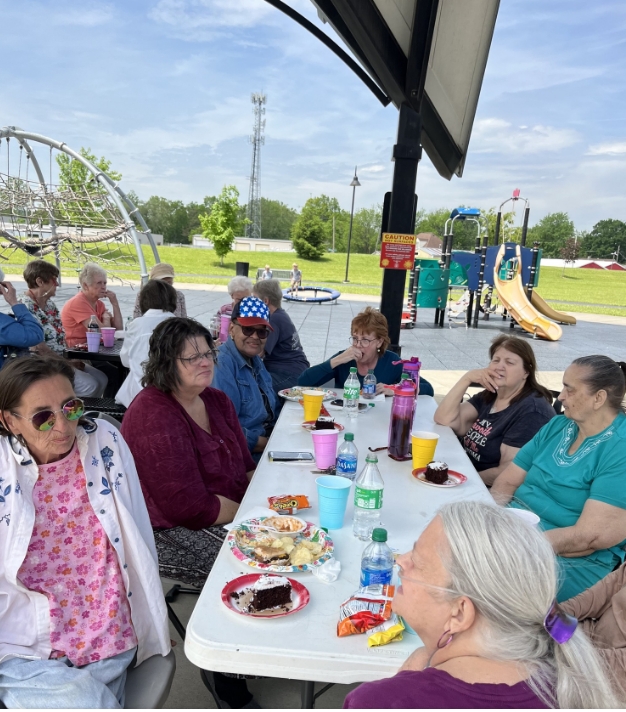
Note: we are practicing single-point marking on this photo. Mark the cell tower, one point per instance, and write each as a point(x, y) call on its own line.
point(253, 228)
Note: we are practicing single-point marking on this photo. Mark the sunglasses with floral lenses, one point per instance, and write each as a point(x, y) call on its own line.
point(45, 419)
point(262, 333)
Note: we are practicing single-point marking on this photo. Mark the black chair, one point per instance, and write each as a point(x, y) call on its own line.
point(105, 405)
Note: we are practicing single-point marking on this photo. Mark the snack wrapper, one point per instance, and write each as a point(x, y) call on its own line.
point(367, 608)
point(288, 503)
point(387, 632)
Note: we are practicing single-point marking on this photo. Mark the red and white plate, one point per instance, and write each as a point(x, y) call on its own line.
point(454, 478)
point(299, 597)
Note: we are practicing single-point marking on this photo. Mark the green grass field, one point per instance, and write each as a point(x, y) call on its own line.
point(582, 290)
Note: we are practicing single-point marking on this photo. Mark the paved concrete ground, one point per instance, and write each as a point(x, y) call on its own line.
point(324, 330)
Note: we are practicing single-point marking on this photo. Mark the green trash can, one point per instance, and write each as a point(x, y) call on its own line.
point(432, 289)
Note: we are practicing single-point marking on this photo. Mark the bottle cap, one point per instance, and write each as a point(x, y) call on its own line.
point(370, 457)
point(370, 370)
point(406, 387)
point(379, 534)
point(352, 369)
point(349, 437)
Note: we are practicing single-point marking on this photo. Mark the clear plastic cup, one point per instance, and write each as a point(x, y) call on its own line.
point(93, 341)
point(325, 447)
point(423, 446)
point(108, 336)
point(312, 401)
point(332, 499)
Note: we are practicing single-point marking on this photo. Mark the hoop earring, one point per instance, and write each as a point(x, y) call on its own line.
point(448, 641)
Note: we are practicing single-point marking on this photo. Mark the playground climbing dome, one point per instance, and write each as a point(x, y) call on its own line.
point(82, 216)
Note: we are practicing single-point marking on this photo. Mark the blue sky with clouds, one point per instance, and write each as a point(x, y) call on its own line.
point(162, 88)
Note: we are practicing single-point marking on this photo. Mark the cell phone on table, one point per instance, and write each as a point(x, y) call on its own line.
point(280, 456)
point(338, 403)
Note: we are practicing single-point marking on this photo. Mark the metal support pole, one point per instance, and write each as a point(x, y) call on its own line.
point(533, 270)
point(406, 155)
point(525, 225)
point(481, 281)
point(496, 237)
point(413, 294)
point(350, 232)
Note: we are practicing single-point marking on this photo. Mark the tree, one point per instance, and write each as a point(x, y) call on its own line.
point(220, 224)
point(324, 209)
point(166, 217)
point(569, 253)
point(366, 229)
point(277, 219)
point(552, 231)
point(605, 239)
point(308, 237)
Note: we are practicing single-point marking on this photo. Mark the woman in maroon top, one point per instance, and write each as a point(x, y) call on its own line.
point(479, 589)
point(191, 454)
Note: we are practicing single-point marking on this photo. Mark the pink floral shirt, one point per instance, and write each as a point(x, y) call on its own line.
point(71, 561)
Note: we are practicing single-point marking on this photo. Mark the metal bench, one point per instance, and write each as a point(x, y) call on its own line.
point(284, 274)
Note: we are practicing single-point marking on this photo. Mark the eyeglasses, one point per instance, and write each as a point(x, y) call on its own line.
point(355, 341)
point(262, 333)
point(196, 358)
point(45, 419)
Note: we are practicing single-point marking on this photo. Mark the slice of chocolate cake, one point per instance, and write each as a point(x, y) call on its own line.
point(268, 593)
point(436, 472)
point(324, 424)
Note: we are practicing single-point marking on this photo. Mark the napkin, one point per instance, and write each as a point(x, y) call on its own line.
point(328, 572)
point(380, 398)
point(253, 513)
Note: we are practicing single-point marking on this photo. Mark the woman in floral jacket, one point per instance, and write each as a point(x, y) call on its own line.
point(79, 582)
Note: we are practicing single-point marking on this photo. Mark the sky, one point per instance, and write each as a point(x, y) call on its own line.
point(162, 89)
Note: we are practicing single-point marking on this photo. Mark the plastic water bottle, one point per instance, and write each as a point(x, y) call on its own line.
point(128, 322)
point(369, 385)
point(377, 560)
point(347, 457)
point(368, 499)
point(93, 324)
point(351, 390)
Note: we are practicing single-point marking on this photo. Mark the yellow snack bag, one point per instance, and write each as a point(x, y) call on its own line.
point(387, 632)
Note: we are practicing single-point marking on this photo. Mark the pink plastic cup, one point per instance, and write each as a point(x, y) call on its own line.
point(325, 447)
point(224, 326)
point(93, 341)
point(108, 336)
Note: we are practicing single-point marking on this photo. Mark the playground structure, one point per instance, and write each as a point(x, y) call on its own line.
point(83, 217)
point(511, 269)
point(321, 295)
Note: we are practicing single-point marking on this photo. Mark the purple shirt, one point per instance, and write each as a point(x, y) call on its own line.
point(436, 689)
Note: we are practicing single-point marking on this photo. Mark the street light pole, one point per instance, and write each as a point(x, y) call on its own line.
point(355, 184)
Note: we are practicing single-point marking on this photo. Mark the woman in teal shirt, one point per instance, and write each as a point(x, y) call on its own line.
point(572, 474)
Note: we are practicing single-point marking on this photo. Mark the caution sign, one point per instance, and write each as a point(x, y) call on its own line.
point(397, 251)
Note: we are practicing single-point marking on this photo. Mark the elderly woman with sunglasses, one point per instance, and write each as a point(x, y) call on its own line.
point(79, 583)
point(368, 350)
point(479, 589)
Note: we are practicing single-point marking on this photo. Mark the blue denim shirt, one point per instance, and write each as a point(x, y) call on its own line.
point(241, 383)
point(17, 334)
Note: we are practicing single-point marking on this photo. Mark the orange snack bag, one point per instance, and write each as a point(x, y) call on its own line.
point(367, 608)
point(288, 503)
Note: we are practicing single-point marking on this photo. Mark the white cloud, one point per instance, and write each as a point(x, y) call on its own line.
point(375, 168)
point(494, 135)
point(616, 148)
point(87, 15)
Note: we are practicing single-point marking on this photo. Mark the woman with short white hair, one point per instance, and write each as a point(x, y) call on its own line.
point(479, 588)
point(78, 311)
point(238, 288)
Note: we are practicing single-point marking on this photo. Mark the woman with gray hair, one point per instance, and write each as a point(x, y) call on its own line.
point(479, 589)
point(238, 288)
point(78, 310)
point(571, 474)
point(284, 356)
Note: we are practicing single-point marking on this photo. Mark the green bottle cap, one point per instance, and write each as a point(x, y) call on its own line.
point(349, 437)
point(370, 457)
point(352, 369)
point(379, 534)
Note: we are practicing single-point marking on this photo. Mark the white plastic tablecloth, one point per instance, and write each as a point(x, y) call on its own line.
point(305, 646)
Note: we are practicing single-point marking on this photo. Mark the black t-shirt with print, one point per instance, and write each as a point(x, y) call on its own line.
point(513, 426)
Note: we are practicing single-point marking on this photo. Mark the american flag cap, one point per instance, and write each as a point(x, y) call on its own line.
point(251, 311)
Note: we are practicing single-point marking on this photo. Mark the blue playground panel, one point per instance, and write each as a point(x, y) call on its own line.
point(471, 263)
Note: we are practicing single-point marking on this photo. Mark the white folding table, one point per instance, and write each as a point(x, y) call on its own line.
point(304, 646)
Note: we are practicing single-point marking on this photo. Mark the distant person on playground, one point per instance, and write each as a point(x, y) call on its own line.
point(296, 278)
point(267, 273)
point(368, 350)
point(498, 421)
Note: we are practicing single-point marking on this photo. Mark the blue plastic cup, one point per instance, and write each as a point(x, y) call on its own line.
point(332, 498)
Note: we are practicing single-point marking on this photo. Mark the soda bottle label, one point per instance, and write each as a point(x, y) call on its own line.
point(346, 465)
point(371, 577)
point(351, 392)
point(367, 498)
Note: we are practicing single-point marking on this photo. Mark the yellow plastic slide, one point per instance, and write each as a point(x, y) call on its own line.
point(542, 306)
point(513, 297)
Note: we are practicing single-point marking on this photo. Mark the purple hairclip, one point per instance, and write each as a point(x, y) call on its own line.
point(559, 625)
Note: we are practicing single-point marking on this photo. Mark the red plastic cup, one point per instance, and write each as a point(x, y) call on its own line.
point(325, 447)
point(93, 341)
point(108, 336)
